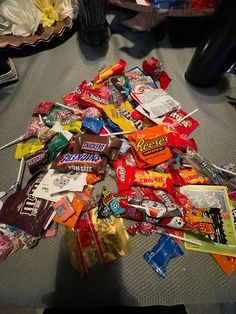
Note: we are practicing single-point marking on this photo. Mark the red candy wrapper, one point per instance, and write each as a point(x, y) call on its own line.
point(70, 99)
point(185, 127)
point(43, 108)
point(180, 141)
point(153, 68)
point(127, 176)
point(95, 97)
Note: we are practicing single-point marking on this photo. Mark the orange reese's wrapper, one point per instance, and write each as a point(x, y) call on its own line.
point(149, 146)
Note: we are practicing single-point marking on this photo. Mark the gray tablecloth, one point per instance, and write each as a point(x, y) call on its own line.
point(43, 276)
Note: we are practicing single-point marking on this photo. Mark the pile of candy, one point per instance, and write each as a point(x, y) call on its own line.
point(124, 123)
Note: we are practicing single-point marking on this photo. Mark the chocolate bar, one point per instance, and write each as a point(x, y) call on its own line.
point(107, 145)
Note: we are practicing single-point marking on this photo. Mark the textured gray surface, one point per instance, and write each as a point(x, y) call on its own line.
point(43, 276)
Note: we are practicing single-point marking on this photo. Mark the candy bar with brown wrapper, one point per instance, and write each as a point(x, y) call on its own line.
point(83, 162)
point(36, 161)
point(107, 145)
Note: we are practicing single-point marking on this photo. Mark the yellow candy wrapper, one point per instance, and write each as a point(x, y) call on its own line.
point(27, 148)
point(95, 242)
point(122, 116)
point(73, 127)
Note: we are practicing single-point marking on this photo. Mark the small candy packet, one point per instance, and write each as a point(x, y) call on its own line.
point(181, 142)
point(161, 254)
point(84, 162)
point(154, 69)
point(102, 145)
point(104, 209)
point(187, 176)
point(43, 108)
point(138, 81)
point(64, 208)
point(98, 97)
point(92, 125)
point(27, 148)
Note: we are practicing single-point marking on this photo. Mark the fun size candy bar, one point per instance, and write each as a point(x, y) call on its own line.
point(81, 163)
point(107, 145)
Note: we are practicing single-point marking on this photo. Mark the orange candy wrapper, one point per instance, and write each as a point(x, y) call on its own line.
point(80, 202)
point(149, 146)
point(227, 263)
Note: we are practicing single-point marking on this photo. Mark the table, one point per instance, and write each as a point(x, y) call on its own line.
point(43, 276)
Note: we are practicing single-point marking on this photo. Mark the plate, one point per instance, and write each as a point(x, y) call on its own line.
point(17, 42)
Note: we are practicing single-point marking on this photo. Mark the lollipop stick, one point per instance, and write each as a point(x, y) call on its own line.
point(17, 185)
point(118, 133)
point(224, 170)
point(17, 140)
point(67, 107)
point(183, 239)
point(185, 117)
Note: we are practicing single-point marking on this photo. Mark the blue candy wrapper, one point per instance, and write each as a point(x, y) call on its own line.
point(112, 127)
point(92, 125)
point(115, 206)
point(159, 257)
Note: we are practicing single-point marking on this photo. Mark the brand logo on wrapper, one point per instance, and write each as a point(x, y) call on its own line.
point(99, 99)
point(94, 146)
point(80, 157)
point(148, 147)
point(30, 205)
point(121, 173)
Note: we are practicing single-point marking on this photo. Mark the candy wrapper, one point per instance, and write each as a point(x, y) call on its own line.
point(187, 176)
point(112, 70)
point(43, 108)
point(122, 116)
point(95, 242)
point(12, 239)
point(149, 146)
point(154, 69)
point(204, 166)
point(59, 113)
point(159, 257)
point(186, 126)
point(102, 145)
point(91, 163)
point(24, 211)
point(156, 102)
point(104, 210)
point(90, 96)
point(127, 176)
point(77, 205)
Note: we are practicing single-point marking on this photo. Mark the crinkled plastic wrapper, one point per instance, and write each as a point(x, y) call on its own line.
point(95, 242)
